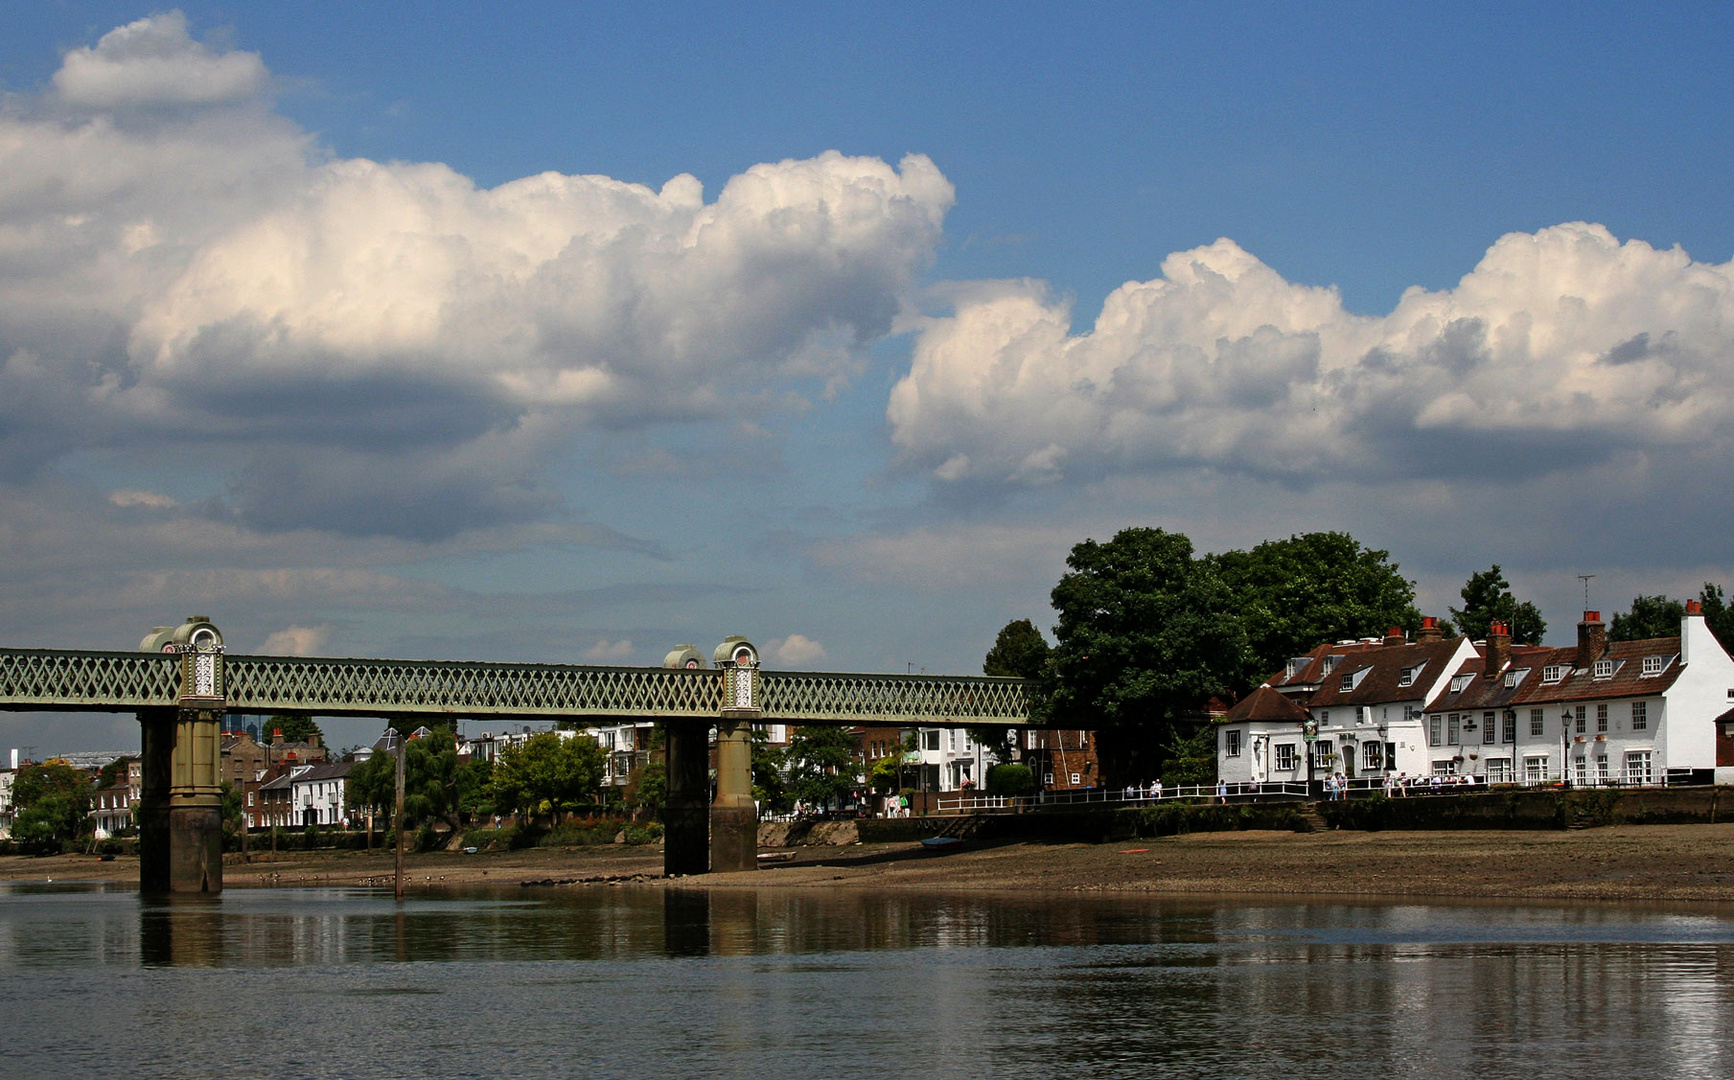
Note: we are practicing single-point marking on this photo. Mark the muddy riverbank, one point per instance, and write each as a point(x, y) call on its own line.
point(1632, 862)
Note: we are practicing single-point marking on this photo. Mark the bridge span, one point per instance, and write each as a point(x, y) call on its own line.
point(182, 681)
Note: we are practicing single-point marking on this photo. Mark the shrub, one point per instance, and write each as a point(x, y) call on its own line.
point(1010, 780)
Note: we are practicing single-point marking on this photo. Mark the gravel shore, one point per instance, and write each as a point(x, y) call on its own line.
point(1621, 863)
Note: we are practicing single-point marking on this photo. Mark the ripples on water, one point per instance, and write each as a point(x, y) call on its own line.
point(644, 982)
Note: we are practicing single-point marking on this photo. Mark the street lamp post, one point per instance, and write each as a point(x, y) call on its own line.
point(1310, 735)
point(1565, 719)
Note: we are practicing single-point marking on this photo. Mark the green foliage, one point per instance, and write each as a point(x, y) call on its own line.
point(886, 774)
point(1191, 760)
point(295, 728)
point(548, 774)
point(430, 781)
point(1146, 632)
point(1718, 615)
point(51, 802)
point(1486, 598)
point(231, 807)
point(821, 765)
point(1019, 651)
point(372, 784)
point(474, 790)
point(1010, 780)
point(1292, 594)
point(1650, 617)
point(770, 789)
point(650, 787)
point(114, 772)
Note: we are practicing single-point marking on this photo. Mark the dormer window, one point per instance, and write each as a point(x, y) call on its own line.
point(1553, 673)
point(1604, 669)
point(1461, 683)
point(1407, 678)
point(1331, 663)
point(1653, 665)
point(1515, 676)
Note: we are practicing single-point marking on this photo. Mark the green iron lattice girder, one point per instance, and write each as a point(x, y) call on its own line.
point(43, 679)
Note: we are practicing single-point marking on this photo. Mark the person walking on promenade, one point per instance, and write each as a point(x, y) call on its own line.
point(1222, 791)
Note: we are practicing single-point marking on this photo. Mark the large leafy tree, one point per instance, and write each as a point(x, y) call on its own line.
point(430, 781)
point(1147, 633)
point(1718, 615)
point(1649, 617)
point(770, 789)
point(1324, 586)
point(821, 765)
point(1486, 598)
point(295, 728)
point(51, 802)
point(1020, 652)
point(547, 774)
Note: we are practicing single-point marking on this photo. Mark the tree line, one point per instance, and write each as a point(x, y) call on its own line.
point(1148, 632)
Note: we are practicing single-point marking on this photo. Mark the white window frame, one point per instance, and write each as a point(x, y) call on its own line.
point(1231, 742)
point(1286, 758)
point(1604, 669)
point(1553, 673)
point(1652, 666)
point(1537, 723)
point(1640, 716)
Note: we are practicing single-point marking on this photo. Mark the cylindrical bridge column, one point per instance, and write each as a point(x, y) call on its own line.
point(734, 817)
point(196, 805)
point(686, 805)
point(181, 804)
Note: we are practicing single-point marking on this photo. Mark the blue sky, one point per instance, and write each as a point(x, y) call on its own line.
point(291, 337)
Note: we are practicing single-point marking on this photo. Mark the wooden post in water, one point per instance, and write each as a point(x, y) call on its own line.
point(397, 816)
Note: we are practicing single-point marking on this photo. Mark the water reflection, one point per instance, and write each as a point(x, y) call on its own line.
point(617, 981)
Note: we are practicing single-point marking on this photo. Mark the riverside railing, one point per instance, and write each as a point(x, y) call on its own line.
point(969, 803)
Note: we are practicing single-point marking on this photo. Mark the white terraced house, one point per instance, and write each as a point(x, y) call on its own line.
point(1597, 713)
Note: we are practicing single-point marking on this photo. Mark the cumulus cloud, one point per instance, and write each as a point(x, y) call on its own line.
point(609, 652)
point(357, 336)
point(297, 641)
point(797, 651)
point(1559, 348)
point(153, 62)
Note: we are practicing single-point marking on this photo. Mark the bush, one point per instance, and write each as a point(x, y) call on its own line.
point(641, 834)
point(1010, 780)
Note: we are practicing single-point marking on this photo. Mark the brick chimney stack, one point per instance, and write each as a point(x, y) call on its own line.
point(1394, 636)
point(1498, 648)
point(1592, 639)
point(1429, 630)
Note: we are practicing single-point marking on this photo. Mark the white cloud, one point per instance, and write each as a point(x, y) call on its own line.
point(297, 641)
point(149, 499)
point(154, 62)
point(367, 340)
point(1559, 348)
point(797, 651)
point(609, 652)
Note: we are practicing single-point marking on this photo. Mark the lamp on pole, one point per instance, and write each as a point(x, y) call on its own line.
point(1310, 735)
point(1565, 719)
point(394, 742)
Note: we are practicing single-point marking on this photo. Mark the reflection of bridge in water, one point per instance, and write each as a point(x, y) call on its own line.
point(182, 682)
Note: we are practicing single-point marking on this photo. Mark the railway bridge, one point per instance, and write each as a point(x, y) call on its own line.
point(182, 681)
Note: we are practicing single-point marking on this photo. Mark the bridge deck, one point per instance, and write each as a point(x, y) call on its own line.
point(66, 680)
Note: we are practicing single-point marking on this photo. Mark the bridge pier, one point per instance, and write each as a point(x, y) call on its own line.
point(181, 804)
point(686, 804)
point(734, 816)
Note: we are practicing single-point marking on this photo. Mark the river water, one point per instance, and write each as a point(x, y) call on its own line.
point(641, 982)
